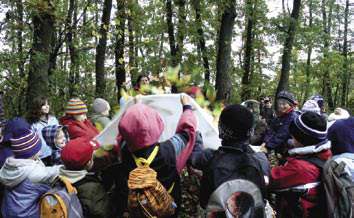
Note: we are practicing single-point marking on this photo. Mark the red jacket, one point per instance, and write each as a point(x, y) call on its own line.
point(297, 172)
point(78, 129)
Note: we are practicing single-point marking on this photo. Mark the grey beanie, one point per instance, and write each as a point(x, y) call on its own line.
point(100, 105)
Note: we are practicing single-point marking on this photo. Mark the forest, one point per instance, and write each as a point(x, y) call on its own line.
point(236, 50)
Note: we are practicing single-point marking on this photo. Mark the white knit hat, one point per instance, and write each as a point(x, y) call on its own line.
point(311, 105)
point(339, 113)
point(100, 105)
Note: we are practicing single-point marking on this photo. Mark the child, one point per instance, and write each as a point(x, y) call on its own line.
point(56, 137)
point(24, 176)
point(76, 121)
point(140, 129)
point(277, 136)
point(229, 161)
point(39, 118)
point(101, 110)
point(77, 157)
point(309, 132)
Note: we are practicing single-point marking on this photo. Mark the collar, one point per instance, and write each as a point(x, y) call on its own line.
point(310, 149)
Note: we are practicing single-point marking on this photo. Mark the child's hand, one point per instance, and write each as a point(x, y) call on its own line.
point(185, 100)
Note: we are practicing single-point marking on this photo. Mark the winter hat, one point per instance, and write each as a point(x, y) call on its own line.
point(100, 105)
point(309, 128)
point(25, 143)
point(311, 105)
point(339, 113)
point(13, 125)
point(75, 107)
point(140, 126)
point(289, 97)
point(235, 123)
point(50, 132)
point(341, 134)
point(77, 153)
point(319, 99)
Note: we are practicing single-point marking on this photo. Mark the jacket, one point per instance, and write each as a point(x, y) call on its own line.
point(228, 163)
point(93, 197)
point(278, 134)
point(78, 129)
point(46, 150)
point(100, 121)
point(297, 172)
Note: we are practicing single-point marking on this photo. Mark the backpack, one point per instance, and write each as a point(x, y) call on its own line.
point(147, 196)
point(61, 201)
point(338, 188)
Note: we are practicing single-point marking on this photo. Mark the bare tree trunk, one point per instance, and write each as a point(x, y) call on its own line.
point(248, 55)
point(181, 28)
point(101, 49)
point(203, 49)
point(309, 53)
point(345, 79)
point(119, 48)
point(43, 27)
point(21, 61)
point(132, 71)
point(223, 82)
point(289, 41)
point(171, 34)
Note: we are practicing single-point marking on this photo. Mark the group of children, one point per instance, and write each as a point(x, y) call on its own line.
point(36, 151)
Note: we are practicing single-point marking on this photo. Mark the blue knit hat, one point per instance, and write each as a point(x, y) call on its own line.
point(13, 125)
point(25, 143)
point(309, 128)
point(341, 134)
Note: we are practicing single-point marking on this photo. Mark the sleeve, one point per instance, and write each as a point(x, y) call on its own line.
point(187, 125)
point(200, 158)
point(285, 176)
point(279, 137)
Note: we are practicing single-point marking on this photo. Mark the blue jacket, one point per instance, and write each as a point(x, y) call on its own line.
point(278, 133)
point(22, 200)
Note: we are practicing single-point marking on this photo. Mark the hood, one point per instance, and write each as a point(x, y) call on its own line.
point(66, 120)
point(15, 171)
point(49, 133)
point(311, 149)
point(72, 176)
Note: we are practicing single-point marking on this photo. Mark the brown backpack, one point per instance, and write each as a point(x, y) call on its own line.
point(147, 196)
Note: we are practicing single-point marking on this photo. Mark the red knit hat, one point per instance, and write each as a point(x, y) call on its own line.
point(77, 153)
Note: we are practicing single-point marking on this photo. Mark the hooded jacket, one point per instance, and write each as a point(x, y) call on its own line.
point(78, 129)
point(298, 172)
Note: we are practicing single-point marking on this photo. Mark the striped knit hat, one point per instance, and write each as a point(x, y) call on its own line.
point(75, 107)
point(309, 128)
point(25, 143)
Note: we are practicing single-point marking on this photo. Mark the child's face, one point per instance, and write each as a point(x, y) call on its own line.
point(60, 139)
point(81, 117)
point(283, 106)
point(106, 112)
point(45, 108)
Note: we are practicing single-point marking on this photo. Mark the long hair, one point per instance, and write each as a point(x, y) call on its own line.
point(35, 109)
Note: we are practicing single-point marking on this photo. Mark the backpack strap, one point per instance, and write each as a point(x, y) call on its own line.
point(69, 187)
point(139, 161)
point(315, 161)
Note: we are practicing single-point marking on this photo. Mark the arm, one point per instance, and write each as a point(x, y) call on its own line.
point(279, 137)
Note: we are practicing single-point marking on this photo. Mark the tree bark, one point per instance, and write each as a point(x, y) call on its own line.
point(247, 69)
point(345, 79)
point(327, 34)
point(171, 34)
point(223, 78)
point(119, 47)
point(309, 53)
point(43, 27)
point(288, 45)
point(21, 59)
point(132, 71)
point(101, 49)
point(181, 28)
point(201, 41)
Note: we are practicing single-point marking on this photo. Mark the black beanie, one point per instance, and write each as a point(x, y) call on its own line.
point(309, 128)
point(235, 123)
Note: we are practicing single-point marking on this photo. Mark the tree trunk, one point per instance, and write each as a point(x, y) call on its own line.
point(223, 83)
point(171, 34)
point(345, 79)
point(288, 45)
point(21, 61)
point(309, 53)
point(119, 48)
point(201, 40)
point(101, 49)
point(327, 34)
point(181, 28)
point(246, 78)
point(132, 70)
point(43, 27)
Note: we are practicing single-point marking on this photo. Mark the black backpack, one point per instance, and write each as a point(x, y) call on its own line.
point(337, 188)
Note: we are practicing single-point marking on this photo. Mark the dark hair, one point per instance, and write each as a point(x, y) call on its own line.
point(139, 79)
point(34, 112)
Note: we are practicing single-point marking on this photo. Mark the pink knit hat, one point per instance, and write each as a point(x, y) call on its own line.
point(140, 126)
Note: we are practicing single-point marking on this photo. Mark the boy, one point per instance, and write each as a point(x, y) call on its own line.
point(56, 137)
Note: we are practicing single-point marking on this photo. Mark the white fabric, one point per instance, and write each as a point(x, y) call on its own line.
point(312, 149)
point(72, 176)
point(15, 171)
point(170, 109)
point(311, 105)
point(338, 114)
point(301, 187)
